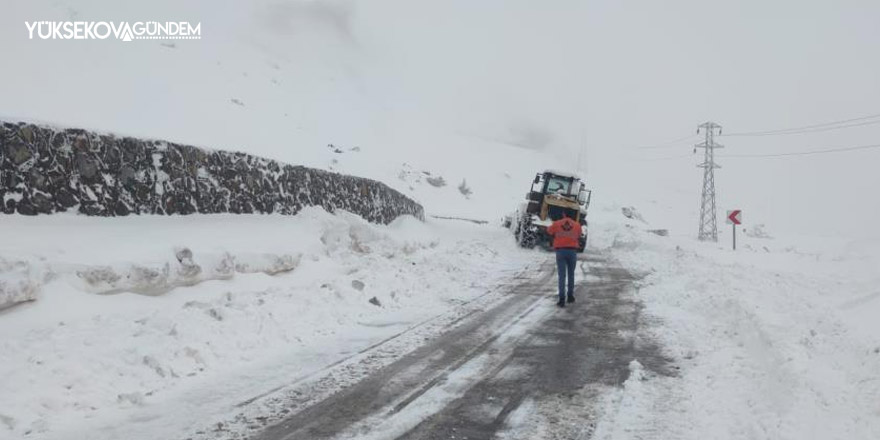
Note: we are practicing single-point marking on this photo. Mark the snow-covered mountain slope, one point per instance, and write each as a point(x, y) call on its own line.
point(449, 80)
point(295, 82)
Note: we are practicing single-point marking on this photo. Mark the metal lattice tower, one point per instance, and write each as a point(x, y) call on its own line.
point(708, 225)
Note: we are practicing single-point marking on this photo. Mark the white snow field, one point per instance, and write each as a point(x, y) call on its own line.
point(777, 340)
point(124, 341)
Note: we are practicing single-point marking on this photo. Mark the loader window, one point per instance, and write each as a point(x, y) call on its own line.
point(558, 185)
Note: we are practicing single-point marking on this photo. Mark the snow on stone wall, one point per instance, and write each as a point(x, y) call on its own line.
point(46, 170)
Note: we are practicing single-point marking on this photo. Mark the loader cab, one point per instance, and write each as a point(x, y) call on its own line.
point(550, 183)
point(552, 193)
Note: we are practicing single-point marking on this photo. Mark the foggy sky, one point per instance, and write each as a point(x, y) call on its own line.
point(610, 76)
point(593, 80)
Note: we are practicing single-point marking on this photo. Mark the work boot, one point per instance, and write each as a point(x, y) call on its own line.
point(570, 298)
point(561, 302)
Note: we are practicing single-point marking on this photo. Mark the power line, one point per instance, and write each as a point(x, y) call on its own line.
point(804, 153)
point(826, 126)
point(655, 159)
point(667, 144)
point(811, 130)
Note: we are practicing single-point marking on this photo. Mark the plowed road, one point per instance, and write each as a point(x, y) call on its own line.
point(522, 368)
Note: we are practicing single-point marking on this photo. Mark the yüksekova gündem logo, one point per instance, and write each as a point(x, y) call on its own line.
point(103, 30)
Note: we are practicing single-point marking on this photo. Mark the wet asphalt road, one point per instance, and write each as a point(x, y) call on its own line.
point(522, 369)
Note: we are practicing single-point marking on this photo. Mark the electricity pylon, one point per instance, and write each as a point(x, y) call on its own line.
point(708, 225)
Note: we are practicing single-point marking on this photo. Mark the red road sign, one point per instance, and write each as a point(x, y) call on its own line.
point(734, 217)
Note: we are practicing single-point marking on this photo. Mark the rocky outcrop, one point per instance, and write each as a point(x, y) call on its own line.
point(46, 170)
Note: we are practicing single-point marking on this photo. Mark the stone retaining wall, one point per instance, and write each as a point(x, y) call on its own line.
point(46, 170)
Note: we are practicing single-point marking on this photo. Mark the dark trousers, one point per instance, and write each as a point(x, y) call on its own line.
point(566, 260)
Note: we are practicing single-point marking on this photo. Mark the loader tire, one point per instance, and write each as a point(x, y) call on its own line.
point(524, 237)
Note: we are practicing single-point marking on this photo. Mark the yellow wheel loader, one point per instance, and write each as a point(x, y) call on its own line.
point(553, 193)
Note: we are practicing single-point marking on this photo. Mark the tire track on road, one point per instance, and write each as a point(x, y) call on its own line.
point(563, 368)
point(426, 364)
point(502, 373)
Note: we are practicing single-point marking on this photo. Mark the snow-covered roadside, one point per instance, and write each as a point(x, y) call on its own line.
point(778, 340)
point(87, 357)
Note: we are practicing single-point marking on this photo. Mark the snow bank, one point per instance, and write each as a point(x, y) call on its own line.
point(157, 279)
point(130, 338)
point(17, 285)
point(182, 270)
point(776, 340)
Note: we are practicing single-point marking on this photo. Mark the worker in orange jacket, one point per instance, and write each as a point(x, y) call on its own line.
point(566, 241)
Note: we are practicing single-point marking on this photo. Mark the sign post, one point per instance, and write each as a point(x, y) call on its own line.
point(735, 218)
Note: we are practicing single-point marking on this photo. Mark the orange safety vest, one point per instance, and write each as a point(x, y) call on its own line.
point(566, 233)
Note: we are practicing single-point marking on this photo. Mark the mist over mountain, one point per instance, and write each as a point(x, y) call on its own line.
point(584, 82)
